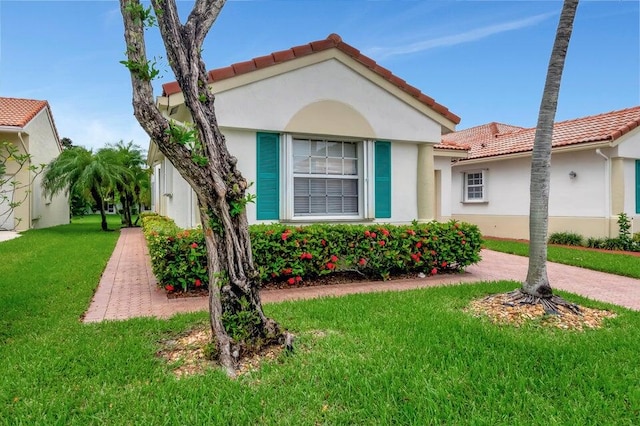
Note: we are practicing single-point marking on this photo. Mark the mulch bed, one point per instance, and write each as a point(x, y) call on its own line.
point(499, 309)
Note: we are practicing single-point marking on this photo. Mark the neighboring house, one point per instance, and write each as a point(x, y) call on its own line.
point(595, 175)
point(28, 125)
point(326, 134)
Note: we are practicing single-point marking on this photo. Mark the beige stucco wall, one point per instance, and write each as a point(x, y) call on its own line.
point(285, 103)
point(518, 226)
point(19, 214)
point(328, 97)
point(43, 147)
point(181, 205)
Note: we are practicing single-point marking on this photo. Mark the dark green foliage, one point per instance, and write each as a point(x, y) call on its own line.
point(624, 232)
point(293, 254)
point(566, 239)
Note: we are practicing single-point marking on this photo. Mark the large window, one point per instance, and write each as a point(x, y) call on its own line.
point(321, 178)
point(326, 179)
point(474, 186)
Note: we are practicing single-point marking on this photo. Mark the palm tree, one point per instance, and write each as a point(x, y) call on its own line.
point(129, 189)
point(79, 170)
point(536, 288)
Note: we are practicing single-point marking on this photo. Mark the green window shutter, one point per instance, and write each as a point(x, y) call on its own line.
point(382, 179)
point(637, 186)
point(268, 176)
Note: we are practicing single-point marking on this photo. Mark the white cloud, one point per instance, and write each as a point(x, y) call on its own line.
point(451, 40)
point(95, 130)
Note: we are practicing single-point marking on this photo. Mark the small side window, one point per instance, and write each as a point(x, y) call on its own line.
point(474, 186)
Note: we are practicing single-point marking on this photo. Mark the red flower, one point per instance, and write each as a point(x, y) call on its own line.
point(384, 232)
point(194, 245)
point(433, 252)
point(367, 233)
point(411, 232)
point(306, 256)
point(434, 271)
point(381, 242)
point(373, 235)
point(334, 258)
point(323, 242)
point(415, 257)
point(285, 235)
point(362, 261)
point(444, 264)
point(330, 265)
point(169, 287)
point(418, 244)
point(197, 283)
point(286, 271)
point(291, 281)
point(298, 279)
point(464, 242)
point(461, 233)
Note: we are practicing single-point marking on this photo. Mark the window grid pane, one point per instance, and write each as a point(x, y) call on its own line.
point(326, 180)
point(475, 186)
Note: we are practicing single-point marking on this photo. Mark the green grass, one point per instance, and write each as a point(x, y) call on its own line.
point(388, 358)
point(613, 263)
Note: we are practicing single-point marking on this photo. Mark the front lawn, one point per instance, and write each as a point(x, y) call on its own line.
point(613, 262)
point(386, 358)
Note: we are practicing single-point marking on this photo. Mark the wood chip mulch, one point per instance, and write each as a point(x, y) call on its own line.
point(501, 310)
point(187, 354)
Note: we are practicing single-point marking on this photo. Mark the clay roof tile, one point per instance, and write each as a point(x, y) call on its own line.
point(495, 139)
point(15, 112)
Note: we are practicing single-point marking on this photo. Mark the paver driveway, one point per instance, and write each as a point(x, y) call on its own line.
point(128, 288)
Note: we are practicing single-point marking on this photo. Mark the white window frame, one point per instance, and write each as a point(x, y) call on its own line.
point(365, 182)
point(465, 186)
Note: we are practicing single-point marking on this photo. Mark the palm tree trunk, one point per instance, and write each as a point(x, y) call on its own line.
point(100, 203)
point(537, 282)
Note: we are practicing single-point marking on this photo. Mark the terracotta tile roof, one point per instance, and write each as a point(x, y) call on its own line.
point(18, 112)
point(494, 139)
point(333, 41)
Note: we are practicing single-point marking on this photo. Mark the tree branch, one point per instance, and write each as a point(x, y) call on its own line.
point(201, 18)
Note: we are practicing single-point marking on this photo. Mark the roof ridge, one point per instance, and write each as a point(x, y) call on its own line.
point(332, 41)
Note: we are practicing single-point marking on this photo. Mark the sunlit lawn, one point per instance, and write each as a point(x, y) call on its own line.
point(387, 358)
point(612, 262)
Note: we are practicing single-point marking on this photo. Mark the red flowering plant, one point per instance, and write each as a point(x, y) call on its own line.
point(293, 254)
point(178, 257)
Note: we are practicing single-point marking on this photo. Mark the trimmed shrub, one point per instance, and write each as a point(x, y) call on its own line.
point(293, 254)
point(566, 238)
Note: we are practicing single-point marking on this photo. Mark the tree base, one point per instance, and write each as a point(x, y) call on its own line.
point(549, 303)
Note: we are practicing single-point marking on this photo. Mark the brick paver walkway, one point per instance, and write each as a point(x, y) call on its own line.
point(128, 288)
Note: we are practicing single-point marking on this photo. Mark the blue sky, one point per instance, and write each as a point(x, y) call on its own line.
point(484, 60)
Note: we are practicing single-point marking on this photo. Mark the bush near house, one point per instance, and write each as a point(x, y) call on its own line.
point(623, 242)
point(294, 254)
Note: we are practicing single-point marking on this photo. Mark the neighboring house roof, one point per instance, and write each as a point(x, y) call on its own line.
point(332, 41)
point(18, 112)
point(495, 139)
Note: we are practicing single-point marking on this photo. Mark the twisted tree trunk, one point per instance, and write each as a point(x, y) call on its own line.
point(237, 319)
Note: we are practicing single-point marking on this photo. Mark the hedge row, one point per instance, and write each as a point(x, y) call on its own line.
point(294, 254)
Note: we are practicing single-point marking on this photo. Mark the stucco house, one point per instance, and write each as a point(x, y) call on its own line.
point(326, 134)
point(595, 175)
point(28, 125)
